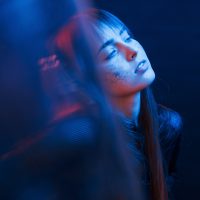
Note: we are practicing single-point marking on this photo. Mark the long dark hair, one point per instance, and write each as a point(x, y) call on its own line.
point(149, 122)
point(120, 182)
point(148, 119)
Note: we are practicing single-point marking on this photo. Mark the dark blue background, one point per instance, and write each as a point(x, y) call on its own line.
point(169, 30)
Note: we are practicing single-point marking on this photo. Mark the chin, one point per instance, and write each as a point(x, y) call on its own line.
point(146, 82)
point(149, 77)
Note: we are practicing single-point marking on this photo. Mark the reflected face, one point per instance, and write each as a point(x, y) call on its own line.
point(125, 66)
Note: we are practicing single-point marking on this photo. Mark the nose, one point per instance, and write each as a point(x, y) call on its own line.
point(129, 52)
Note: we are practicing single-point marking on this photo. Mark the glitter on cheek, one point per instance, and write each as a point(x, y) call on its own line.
point(116, 72)
point(117, 75)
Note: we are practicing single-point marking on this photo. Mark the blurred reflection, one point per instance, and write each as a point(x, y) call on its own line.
point(58, 136)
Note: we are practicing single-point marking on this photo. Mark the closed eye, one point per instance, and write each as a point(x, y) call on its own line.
point(111, 55)
point(128, 39)
point(126, 35)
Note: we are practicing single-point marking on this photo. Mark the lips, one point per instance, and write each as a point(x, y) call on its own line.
point(141, 67)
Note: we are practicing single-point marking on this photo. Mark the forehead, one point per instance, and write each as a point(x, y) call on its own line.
point(106, 32)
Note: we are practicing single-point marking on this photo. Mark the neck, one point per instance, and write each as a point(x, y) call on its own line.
point(129, 105)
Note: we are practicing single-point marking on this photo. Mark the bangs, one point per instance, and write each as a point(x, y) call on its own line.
point(104, 18)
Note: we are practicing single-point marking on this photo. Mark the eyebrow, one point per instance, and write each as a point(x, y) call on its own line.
point(111, 41)
point(107, 43)
point(122, 30)
point(128, 31)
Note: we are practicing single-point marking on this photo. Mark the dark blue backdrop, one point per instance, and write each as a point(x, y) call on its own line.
point(169, 30)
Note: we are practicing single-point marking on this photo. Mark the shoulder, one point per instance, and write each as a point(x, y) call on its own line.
point(170, 123)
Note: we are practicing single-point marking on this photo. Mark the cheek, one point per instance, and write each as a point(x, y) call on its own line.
point(116, 70)
point(111, 77)
point(115, 83)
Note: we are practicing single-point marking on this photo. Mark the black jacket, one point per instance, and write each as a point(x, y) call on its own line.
point(169, 138)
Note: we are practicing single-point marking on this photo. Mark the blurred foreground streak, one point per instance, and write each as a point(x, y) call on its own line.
point(57, 139)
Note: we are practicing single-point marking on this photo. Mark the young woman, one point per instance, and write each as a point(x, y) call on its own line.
point(126, 74)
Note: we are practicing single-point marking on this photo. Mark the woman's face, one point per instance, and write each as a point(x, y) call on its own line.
point(125, 66)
